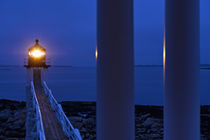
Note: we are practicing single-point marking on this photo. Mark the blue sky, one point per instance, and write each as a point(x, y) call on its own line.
point(67, 29)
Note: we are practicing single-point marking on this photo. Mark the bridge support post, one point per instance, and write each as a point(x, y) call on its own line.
point(29, 76)
point(115, 70)
point(182, 70)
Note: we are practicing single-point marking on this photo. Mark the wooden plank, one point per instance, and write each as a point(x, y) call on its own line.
point(52, 127)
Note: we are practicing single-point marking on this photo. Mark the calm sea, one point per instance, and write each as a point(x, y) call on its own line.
point(79, 84)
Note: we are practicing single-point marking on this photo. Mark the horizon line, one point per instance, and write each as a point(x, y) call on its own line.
point(138, 65)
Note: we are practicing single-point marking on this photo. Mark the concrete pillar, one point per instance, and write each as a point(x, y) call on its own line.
point(115, 71)
point(182, 70)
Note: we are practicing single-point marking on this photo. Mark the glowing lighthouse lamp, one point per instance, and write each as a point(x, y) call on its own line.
point(37, 56)
point(36, 65)
point(36, 53)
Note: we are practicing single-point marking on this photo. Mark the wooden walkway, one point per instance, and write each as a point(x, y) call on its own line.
point(52, 128)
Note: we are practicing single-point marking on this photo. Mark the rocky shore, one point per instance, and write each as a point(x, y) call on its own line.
point(149, 120)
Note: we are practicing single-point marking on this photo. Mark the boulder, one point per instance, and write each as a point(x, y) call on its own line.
point(5, 115)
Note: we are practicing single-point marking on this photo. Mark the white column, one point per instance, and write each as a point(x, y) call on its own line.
point(115, 80)
point(182, 70)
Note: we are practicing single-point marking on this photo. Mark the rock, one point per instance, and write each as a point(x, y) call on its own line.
point(82, 115)
point(12, 118)
point(75, 118)
point(89, 121)
point(155, 137)
point(14, 134)
point(4, 115)
point(141, 130)
point(148, 122)
point(145, 116)
point(2, 137)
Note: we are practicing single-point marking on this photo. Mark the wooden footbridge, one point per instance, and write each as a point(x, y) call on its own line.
point(45, 117)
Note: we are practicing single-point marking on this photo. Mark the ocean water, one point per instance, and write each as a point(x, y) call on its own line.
point(79, 84)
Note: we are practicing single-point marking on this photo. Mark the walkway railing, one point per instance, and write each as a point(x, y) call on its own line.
point(68, 129)
point(39, 134)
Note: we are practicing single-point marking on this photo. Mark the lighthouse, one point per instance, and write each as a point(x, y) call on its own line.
point(36, 63)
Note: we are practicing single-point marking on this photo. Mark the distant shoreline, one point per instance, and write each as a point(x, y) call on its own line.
point(202, 66)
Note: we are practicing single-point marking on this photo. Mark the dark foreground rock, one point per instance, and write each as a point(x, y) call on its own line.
point(149, 120)
point(12, 120)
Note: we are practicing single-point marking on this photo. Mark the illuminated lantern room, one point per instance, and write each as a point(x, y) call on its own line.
point(37, 56)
